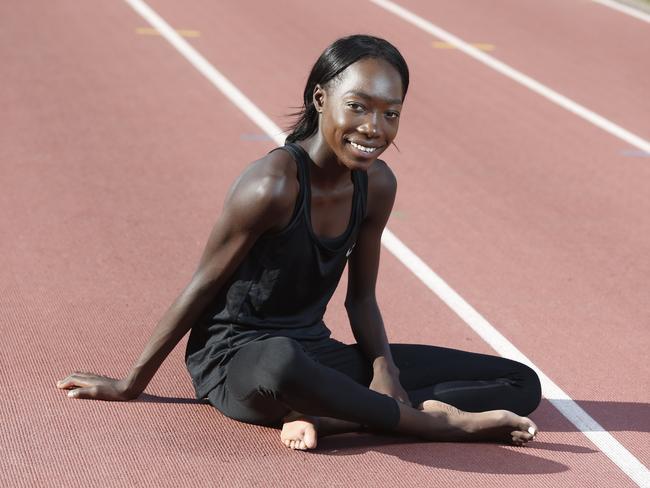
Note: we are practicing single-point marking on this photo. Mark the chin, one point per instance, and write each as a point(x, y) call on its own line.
point(355, 158)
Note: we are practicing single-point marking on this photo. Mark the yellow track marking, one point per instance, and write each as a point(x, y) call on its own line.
point(150, 31)
point(446, 45)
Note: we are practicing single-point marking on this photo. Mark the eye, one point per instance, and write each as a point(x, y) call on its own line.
point(392, 115)
point(356, 107)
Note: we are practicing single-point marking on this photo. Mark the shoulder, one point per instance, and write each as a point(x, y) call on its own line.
point(382, 187)
point(266, 190)
point(270, 178)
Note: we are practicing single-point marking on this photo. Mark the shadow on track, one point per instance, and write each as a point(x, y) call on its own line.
point(466, 457)
point(486, 458)
point(612, 416)
point(147, 398)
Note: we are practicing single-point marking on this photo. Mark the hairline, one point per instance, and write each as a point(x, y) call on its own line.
point(360, 94)
point(337, 78)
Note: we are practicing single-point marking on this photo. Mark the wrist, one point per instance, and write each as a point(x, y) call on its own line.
point(129, 387)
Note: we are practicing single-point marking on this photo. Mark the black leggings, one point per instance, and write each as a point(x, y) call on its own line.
point(269, 378)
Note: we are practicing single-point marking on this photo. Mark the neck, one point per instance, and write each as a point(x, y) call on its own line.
point(328, 171)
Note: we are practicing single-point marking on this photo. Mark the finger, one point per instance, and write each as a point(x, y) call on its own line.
point(73, 381)
point(68, 382)
point(83, 374)
point(82, 393)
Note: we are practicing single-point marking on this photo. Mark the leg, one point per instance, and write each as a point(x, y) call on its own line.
point(443, 422)
point(269, 379)
point(492, 387)
point(469, 381)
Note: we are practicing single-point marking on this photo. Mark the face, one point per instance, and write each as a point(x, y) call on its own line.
point(359, 111)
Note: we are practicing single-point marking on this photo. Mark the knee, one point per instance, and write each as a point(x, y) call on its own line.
point(532, 388)
point(282, 364)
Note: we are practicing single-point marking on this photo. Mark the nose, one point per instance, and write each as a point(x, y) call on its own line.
point(371, 125)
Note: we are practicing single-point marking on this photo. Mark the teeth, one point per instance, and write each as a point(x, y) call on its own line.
point(363, 148)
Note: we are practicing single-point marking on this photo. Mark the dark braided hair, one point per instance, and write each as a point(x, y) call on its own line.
point(338, 56)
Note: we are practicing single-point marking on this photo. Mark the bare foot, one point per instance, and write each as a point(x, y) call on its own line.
point(300, 433)
point(503, 425)
point(498, 425)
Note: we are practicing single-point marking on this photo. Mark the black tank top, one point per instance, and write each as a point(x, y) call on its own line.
point(281, 288)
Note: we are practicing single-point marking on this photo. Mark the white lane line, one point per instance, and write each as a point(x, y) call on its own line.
point(210, 72)
point(518, 76)
point(626, 9)
point(561, 401)
point(602, 439)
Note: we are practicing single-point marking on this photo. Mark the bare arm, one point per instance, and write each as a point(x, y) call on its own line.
point(260, 200)
point(361, 302)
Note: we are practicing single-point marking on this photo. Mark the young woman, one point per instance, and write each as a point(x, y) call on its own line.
point(259, 350)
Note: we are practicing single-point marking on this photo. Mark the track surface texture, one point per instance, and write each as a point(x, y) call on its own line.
point(115, 157)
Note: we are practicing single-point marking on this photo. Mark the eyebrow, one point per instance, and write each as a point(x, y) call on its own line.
point(389, 101)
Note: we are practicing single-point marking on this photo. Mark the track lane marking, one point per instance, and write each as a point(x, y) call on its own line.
point(150, 31)
point(626, 9)
point(222, 83)
point(565, 405)
point(602, 439)
point(513, 74)
point(483, 46)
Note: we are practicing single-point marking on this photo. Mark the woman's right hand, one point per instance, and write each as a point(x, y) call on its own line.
point(96, 387)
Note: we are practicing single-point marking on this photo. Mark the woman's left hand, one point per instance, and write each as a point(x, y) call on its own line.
point(388, 384)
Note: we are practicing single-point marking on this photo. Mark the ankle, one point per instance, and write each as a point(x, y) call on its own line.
point(297, 416)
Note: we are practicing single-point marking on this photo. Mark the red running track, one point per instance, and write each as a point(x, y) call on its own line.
point(116, 155)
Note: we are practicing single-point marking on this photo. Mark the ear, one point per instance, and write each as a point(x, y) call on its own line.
point(319, 97)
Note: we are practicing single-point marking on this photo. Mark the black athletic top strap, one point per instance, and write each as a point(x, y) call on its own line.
point(282, 286)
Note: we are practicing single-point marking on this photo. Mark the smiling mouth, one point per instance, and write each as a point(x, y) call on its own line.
point(365, 149)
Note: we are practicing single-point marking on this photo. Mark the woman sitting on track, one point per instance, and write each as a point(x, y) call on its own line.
point(259, 350)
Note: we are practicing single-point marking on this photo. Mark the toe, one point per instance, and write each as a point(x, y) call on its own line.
point(310, 439)
point(528, 426)
point(521, 437)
